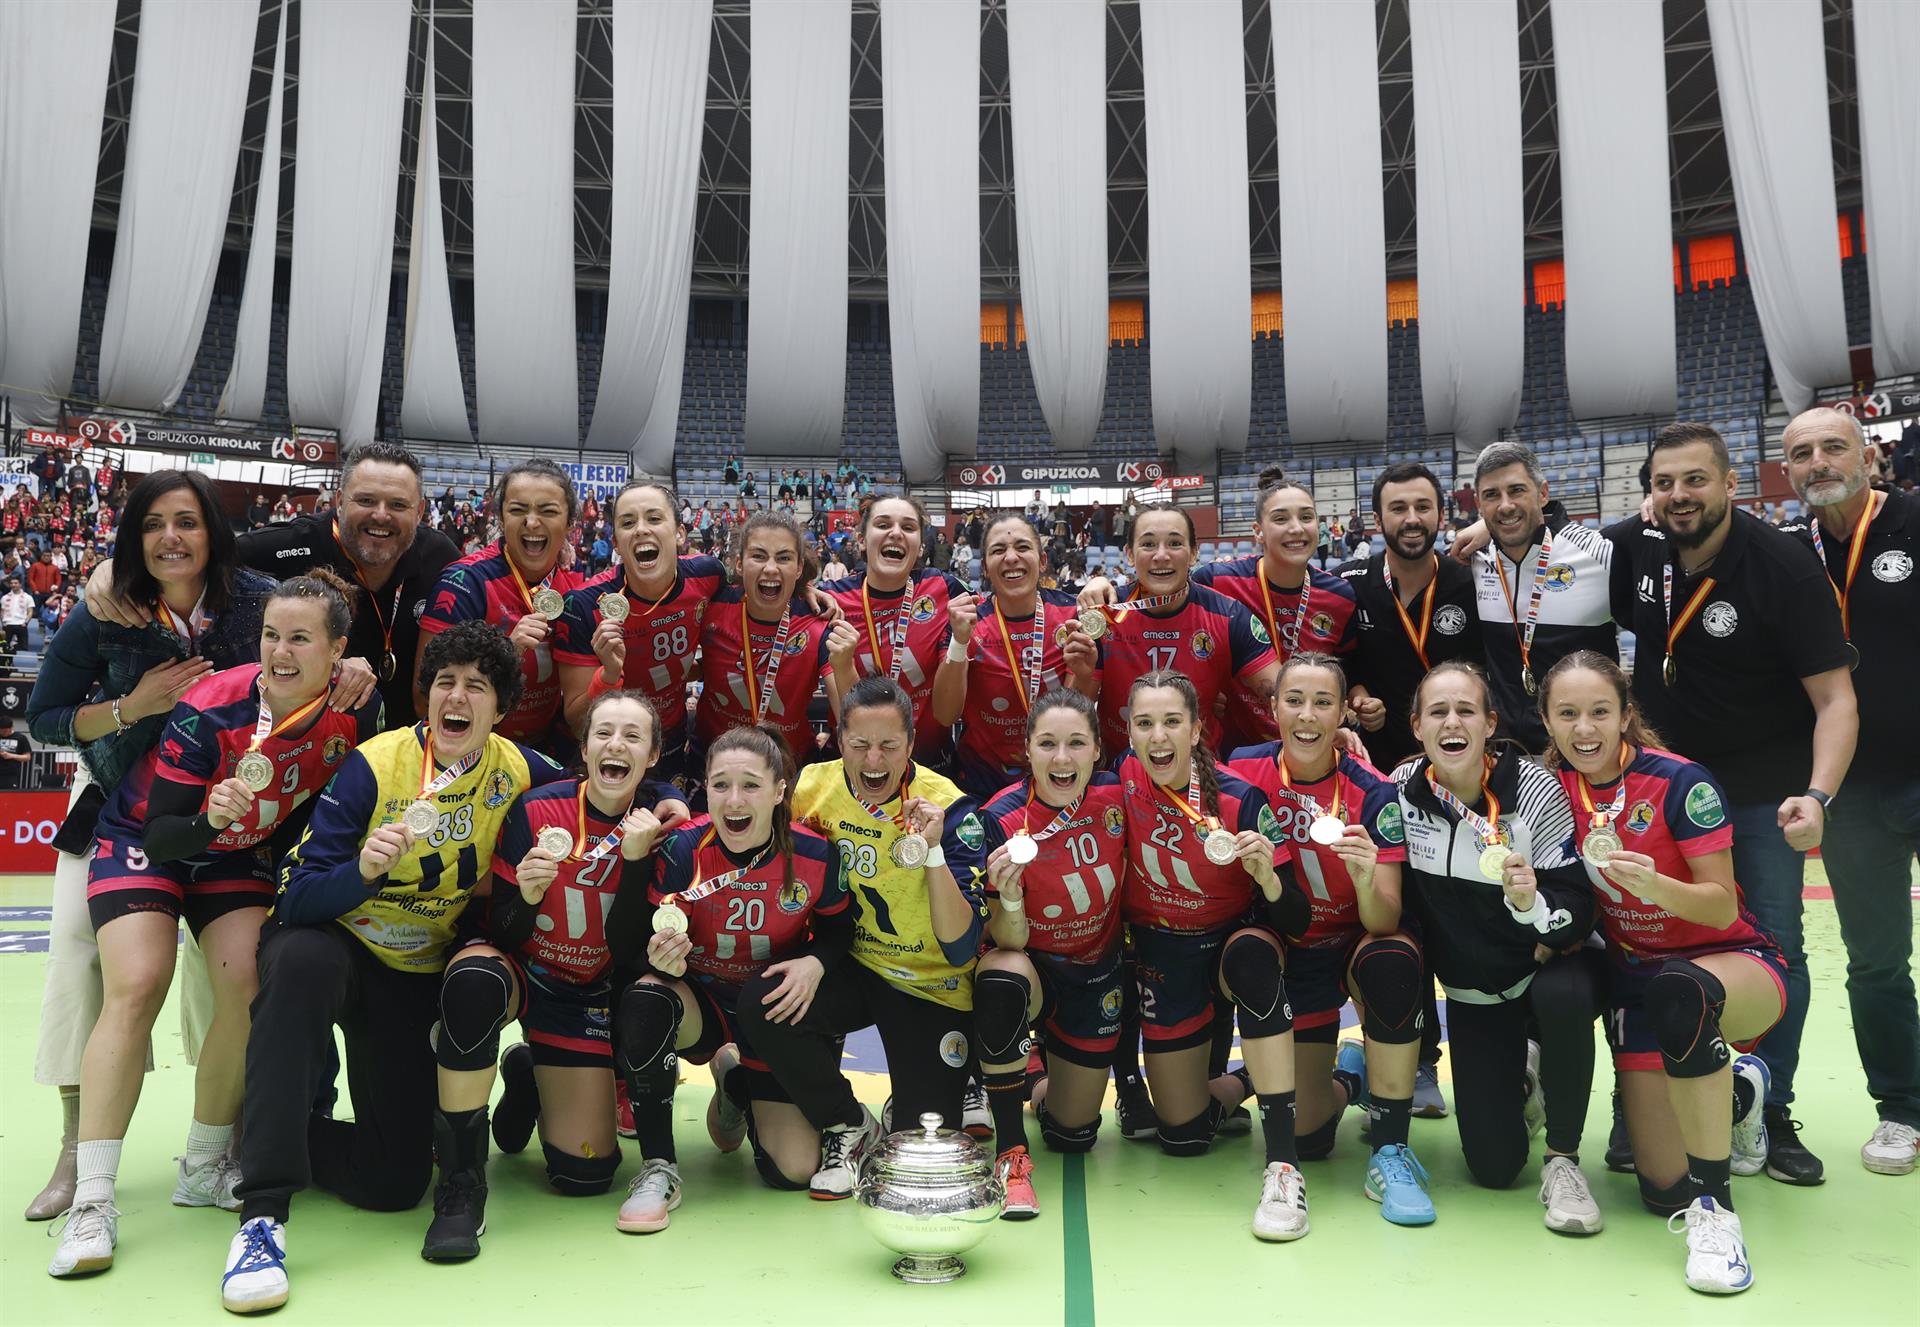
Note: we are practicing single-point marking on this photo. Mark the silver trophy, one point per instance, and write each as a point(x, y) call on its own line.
point(929, 1194)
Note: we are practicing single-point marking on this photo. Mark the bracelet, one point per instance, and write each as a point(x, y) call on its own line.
point(936, 856)
point(956, 651)
point(120, 724)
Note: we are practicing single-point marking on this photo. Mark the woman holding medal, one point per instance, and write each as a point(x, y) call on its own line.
point(187, 834)
point(742, 897)
point(1342, 817)
point(1207, 901)
point(1498, 893)
point(1692, 974)
point(909, 844)
point(1024, 641)
point(1056, 866)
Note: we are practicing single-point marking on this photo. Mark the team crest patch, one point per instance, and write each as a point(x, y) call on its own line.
point(1450, 621)
point(953, 1050)
point(793, 896)
point(1322, 624)
point(598, 1015)
point(1640, 818)
point(971, 832)
point(1559, 577)
point(1389, 825)
point(1892, 566)
point(1116, 821)
point(1110, 1003)
point(1260, 632)
point(419, 609)
point(335, 750)
point(924, 609)
point(1202, 644)
point(1720, 619)
point(1703, 806)
point(795, 644)
point(499, 790)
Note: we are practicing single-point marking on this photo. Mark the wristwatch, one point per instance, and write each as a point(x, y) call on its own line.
point(1825, 799)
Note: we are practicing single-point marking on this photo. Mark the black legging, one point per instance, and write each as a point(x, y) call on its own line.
point(1488, 1046)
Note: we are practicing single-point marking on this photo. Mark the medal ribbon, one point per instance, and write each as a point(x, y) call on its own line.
point(446, 777)
point(897, 636)
point(264, 727)
point(526, 594)
point(1524, 637)
point(1027, 684)
point(581, 853)
point(1145, 605)
point(1313, 807)
point(1601, 819)
point(1486, 828)
point(1418, 639)
point(1060, 818)
point(700, 889)
point(387, 619)
point(1856, 549)
point(1298, 621)
point(760, 694)
point(183, 627)
point(1677, 625)
point(878, 813)
point(1206, 823)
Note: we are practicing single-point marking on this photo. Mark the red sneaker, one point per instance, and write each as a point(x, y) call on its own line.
point(1016, 1172)
point(623, 1111)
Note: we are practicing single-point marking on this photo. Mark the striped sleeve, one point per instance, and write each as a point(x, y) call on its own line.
point(1543, 805)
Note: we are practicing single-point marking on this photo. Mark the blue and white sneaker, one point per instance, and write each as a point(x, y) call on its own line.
point(1398, 1182)
point(1351, 1058)
point(256, 1278)
point(1750, 1143)
point(1716, 1252)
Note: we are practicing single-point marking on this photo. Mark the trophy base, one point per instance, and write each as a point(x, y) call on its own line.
point(929, 1269)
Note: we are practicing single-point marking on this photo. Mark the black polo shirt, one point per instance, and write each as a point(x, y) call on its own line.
point(295, 547)
point(1737, 704)
point(1884, 611)
point(1383, 658)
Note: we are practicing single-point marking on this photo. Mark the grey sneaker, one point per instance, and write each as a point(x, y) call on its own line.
point(1428, 1102)
point(1569, 1202)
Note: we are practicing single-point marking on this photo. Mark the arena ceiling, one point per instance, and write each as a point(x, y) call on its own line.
point(1701, 185)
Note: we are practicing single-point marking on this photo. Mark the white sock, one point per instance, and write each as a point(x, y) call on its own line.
point(69, 1115)
point(206, 1141)
point(97, 1162)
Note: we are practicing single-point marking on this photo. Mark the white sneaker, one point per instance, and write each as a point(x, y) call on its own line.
point(256, 1278)
point(88, 1233)
point(841, 1151)
point(655, 1191)
point(1716, 1253)
point(976, 1118)
point(1569, 1203)
point(1535, 1109)
point(1282, 1213)
point(210, 1183)
point(1892, 1150)
point(1749, 1155)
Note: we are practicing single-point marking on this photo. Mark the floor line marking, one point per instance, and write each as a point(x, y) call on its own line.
point(1075, 1247)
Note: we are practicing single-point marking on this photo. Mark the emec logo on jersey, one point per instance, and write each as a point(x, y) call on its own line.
point(1703, 806)
point(1202, 644)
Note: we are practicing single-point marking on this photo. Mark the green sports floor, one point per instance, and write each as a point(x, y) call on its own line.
point(1127, 1237)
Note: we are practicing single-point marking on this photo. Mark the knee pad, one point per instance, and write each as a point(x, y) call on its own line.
point(1666, 1201)
point(1193, 1137)
point(1061, 1138)
point(580, 1177)
point(1683, 1004)
point(645, 1028)
point(1252, 968)
point(1000, 1002)
point(1387, 976)
point(476, 1000)
point(1317, 1144)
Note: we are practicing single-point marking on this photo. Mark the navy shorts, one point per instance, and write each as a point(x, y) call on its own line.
point(1178, 973)
point(1317, 986)
point(1630, 1036)
point(568, 1024)
point(1079, 1007)
point(718, 1026)
point(121, 881)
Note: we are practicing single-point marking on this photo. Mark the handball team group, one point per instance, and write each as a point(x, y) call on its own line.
point(1045, 846)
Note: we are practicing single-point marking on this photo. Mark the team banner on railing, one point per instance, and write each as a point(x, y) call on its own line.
point(219, 442)
point(1014, 475)
point(1895, 404)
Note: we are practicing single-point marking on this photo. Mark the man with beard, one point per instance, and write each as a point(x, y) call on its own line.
point(1416, 610)
point(1870, 542)
point(1743, 666)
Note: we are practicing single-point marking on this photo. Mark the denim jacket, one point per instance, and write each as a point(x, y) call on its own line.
point(90, 660)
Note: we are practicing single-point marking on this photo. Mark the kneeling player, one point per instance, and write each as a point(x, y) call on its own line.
point(1343, 819)
point(742, 896)
point(1056, 859)
point(1691, 972)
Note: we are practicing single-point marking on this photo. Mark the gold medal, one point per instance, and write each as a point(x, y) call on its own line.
point(556, 840)
point(1093, 622)
point(1062, 634)
point(669, 919)
point(614, 607)
point(1221, 847)
point(549, 602)
point(1667, 671)
point(1599, 848)
point(909, 851)
point(255, 770)
point(1528, 681)
point(421, 817)
point(1494, 860)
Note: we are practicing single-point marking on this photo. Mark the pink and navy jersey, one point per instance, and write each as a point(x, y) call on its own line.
point(1330, 626)
point(481, 587)
point(210, 729)
point(759, 919)
point(570, 934)
point(1210, 638)
point(1673, 810)
point(927, 635)
point(724, 701)
point(1365, 797)
point(993, 735)
point(1170, 883)
point(662, 636)
point(1072, 889)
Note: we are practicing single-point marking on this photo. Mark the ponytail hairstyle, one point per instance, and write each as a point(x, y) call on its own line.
point(769, 519)
point(1274, 480)
point(1202, 755)
point(623, 693)
point(1479, 676)
point(324, 585)
point(878, 692)
point(1636, 729)
point(1065, 698)
point(770, 748)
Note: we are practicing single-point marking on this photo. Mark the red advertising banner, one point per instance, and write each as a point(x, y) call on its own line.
point(28, 822)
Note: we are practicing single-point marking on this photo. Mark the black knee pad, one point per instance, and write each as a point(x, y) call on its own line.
point(1062, 1138)
point(1000, 1002)
point(1317, 1145)
point(476, 1000)
point(1673, 1198)
point(579, 1177)
point(645, 1028)
point(1683, 1004)
point(1251, 966)
point(1193, 1137)
point(1388, 976)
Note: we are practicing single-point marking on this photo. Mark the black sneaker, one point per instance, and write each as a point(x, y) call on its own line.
point(519, 1109)
point(1620, 1142)
point(459, 1217)
point(1133, 1109)
point(1787, 1159)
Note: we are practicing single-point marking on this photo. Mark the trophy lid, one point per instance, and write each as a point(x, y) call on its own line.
point(929, 1152)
